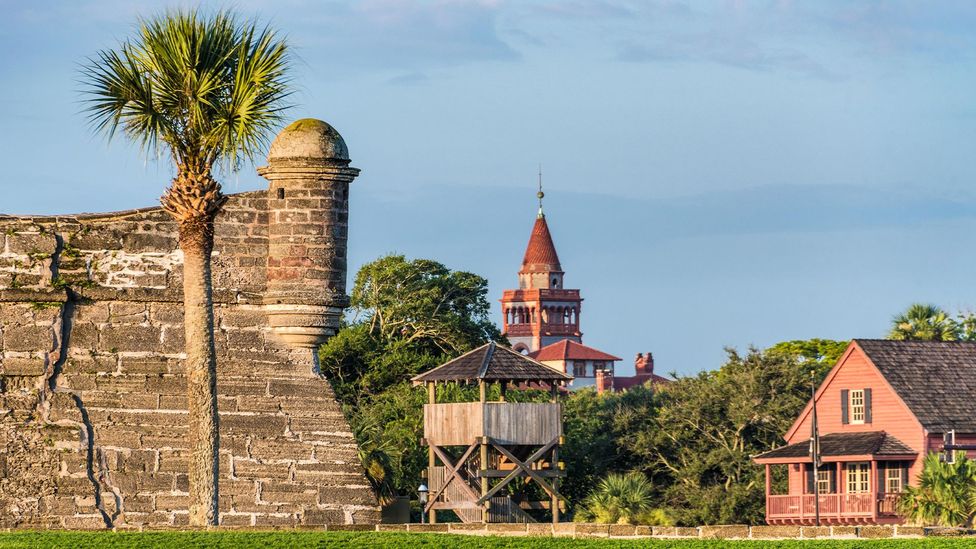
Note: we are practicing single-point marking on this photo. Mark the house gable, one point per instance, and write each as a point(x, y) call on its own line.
point(887, 410)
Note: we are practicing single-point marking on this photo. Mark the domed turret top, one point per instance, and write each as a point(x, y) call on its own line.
point(309, 138)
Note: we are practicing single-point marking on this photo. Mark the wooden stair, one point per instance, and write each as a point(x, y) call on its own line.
point(500, 509)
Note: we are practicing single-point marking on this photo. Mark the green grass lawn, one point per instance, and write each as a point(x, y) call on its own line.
point(243, 540)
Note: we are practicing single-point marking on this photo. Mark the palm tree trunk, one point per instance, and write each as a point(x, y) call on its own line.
point(196, 241)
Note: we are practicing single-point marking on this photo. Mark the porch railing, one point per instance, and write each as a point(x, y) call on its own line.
point(831, 505)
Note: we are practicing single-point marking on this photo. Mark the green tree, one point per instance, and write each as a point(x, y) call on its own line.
point(945, 495)
point(821, 351)
point(207, 91)
point(924, 322)
point(598, 429)
point(618, 499)
point(706, 428)
point(407, 317)
point(422, 301)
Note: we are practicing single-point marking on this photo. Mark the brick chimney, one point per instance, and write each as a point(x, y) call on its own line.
point(644, 364)
point(604, 381)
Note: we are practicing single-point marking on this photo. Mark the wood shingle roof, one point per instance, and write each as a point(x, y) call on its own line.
point(493, 362)
point(935, 379)
point(871, 443)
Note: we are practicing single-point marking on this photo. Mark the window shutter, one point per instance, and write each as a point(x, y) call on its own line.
point(810, 479)
point(867, 405)
point(833, 480)
point(882, 472)
point(844, 397)
point(904, 478)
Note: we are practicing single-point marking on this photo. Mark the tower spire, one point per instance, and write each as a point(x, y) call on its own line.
point(540, 194)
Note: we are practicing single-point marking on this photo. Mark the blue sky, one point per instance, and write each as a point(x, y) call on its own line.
point(717, 173)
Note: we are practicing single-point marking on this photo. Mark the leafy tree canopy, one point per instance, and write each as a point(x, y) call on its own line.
point(698, 445)
point(407, 317)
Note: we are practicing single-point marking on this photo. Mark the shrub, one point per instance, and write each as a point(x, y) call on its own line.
point(618, 499)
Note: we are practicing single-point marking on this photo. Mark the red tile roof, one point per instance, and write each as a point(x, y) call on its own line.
point(540, 255)
point(567, 349)
point(622, 383)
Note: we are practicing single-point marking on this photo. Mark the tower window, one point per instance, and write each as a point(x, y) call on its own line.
point(555, 282)
point(281, 193)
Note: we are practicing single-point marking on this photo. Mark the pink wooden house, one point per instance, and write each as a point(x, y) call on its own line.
point(880, 410)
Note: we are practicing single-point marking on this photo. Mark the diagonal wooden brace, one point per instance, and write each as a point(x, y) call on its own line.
point(522, 467)
point(451, 471)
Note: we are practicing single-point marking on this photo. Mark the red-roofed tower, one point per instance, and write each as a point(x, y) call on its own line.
point(541, 311)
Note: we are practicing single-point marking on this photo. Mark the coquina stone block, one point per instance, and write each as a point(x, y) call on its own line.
point(92, 393)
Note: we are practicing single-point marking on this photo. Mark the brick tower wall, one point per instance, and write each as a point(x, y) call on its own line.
point(93, 398)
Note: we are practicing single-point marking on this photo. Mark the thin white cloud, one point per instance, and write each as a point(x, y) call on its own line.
point(407, 36)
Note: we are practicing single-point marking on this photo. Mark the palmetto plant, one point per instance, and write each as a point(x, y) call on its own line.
point(618, 499)
point(206, 90)
point(945, 495)
point(924, 322)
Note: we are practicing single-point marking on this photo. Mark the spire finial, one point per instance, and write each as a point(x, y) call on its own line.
point(540, 194)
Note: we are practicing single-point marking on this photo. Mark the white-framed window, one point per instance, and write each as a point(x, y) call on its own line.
point(893, 480)
point(823, 481)
point(858, 478)
point(857, 406)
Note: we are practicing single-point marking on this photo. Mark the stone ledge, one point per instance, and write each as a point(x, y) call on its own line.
point(587, 530)
point(33, 296)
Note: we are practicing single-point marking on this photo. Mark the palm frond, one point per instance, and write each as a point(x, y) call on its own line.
point(210, 89)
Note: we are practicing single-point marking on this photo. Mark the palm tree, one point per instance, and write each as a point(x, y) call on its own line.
point(945, 495)
point(923, 322)
point(208, 90)
point(618, 499)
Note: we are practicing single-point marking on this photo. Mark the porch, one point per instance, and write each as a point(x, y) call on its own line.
point(834, 509)
point(860, 480)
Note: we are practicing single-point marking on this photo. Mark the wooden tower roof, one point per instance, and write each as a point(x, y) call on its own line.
point(493, 362)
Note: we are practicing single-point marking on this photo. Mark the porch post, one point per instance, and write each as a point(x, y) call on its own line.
point(803, 489)
point(874, 490)
point(769, 484)
point(839, 482)
point(769, 491)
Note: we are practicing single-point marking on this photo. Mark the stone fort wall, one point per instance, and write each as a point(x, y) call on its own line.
point(92, 393)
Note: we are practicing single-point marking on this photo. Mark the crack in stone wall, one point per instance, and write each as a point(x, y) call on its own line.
point(93, 400)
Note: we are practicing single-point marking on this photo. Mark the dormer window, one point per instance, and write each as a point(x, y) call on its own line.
point(857, 406)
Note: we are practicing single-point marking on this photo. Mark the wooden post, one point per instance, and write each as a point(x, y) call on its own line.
point(484, 479)
point(483, 391)
point(838, 483)
point(873, 481)
point(553, 500)
point(769, 490)
point(769, 484)
point(432, 398)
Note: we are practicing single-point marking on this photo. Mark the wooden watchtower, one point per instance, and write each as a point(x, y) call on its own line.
point(476, 449)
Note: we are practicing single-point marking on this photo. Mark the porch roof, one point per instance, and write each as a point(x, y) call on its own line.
point(836, 445)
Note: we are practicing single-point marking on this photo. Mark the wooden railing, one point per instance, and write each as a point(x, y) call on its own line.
point(461, 423)
point(888, 504)
point(831, 505)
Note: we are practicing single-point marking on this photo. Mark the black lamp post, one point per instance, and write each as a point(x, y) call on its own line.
point(422, 498)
